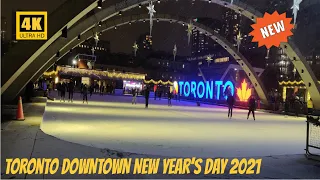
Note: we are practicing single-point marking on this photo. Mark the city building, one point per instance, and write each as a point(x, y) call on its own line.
point(199, 43)
point(4, 29)
point(13, 27)
point(101, 51)
point(145, 41)
point(231, 21)
point(305, 37)
point(5, 43)
point(278, 5)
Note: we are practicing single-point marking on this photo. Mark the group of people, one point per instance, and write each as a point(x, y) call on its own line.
point(146, 95)
point(298, 106)
point(64, 87)
point(251, 106)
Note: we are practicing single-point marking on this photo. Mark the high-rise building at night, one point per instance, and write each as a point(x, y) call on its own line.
point(145, 45)
point(101, 51)
point(199, 43)
point(306, 37)
point(13, 25)
point(4, 29)
point(145, 42)
point(278, 5)
point(278, 59)
point(231, 21)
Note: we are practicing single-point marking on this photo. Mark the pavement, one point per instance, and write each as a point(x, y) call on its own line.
point(25, 139)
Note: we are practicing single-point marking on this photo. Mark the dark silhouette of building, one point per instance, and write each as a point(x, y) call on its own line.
point(4, 28)
point(102, 51)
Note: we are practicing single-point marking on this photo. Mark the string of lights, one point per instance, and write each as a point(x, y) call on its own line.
point(291, 82)
point(86, 72)
point(158, 82)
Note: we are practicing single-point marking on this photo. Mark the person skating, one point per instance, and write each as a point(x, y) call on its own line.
point(286, 107)
point(71, 90)
point(81, 88)
point(297, 106)
point(85, 93)
point(146, 95)
point(160, 93)
point(58, 86)
point(155, 94)
point(45, 88)
point(63, 91)
point(101, 90)
point(91, 89)
point(230, 102)
point(50, 87)
point(169, 98)
point(252, 107)
point(134, 96)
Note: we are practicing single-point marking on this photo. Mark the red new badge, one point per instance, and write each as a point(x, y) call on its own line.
point(272, 29)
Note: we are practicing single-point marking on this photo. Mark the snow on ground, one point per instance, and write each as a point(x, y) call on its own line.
point(183, 130)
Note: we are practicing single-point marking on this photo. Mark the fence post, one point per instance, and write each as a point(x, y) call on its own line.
point(307, 140)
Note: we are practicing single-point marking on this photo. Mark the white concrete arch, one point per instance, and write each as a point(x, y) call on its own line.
point(24, 53)
point(258, 85)
point(14, 85)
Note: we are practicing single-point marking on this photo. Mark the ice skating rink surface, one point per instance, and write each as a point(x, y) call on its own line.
point(183, 130)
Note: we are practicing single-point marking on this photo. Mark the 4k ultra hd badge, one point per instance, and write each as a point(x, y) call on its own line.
point(31, 25)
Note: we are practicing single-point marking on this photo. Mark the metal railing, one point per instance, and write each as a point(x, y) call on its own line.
point(313, 138)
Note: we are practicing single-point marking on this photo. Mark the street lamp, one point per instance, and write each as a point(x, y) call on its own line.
point(99, 4)
point(74, 62)
point(56, 80)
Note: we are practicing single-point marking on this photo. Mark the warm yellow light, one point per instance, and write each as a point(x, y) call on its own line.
point(284, 93)
point(244, 92)
point(158, 82)
point(56, 80)
point(114, 74)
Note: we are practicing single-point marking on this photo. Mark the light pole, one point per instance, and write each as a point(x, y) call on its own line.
point(74, 62)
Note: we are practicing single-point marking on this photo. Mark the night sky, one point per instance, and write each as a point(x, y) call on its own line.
point(165, 35)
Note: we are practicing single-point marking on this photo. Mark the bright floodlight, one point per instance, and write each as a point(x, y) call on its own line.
point(56, 80)
point(74, 62)
point(175, 83)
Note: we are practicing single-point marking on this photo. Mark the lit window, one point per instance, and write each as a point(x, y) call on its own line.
point(182, 67)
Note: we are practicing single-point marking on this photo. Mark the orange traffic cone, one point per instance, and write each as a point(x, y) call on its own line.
point(20, 115)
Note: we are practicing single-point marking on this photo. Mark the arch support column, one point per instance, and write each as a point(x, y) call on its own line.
point(304, 70)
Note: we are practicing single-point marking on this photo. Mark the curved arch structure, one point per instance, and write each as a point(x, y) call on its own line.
point(258, 85)
point(23, 54)
point(38, 61)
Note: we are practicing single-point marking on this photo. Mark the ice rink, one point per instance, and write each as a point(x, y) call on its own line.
point(183, 130)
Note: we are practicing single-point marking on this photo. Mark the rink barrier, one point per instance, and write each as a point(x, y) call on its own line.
point(313, 141)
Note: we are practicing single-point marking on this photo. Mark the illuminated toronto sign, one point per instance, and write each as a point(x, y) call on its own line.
point(205, 90)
